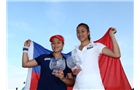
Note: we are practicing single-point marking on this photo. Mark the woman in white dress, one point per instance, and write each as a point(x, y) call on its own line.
point(89, 78)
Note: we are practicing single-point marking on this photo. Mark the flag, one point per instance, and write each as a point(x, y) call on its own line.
point(33, 74)
point(111, 70)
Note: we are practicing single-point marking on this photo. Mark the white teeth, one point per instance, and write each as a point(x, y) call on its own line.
point(55, 48)
point(80, 37)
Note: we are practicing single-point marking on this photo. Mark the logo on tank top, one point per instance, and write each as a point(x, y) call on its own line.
point(47, 58)
point(89, 47)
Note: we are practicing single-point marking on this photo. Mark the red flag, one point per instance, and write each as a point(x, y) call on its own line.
point(112, 73)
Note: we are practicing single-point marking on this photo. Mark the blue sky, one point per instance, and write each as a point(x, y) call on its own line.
point(40, 20)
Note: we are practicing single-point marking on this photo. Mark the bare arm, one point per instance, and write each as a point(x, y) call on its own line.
point(68, 81)
point(26, 63)
point(115, 52)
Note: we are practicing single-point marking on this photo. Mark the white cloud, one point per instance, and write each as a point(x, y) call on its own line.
point(75, 0)
point(126, 45)
point(17, 23)
point(131, 82)
point(125, 42)
point(21, 25)
point(55, 14)
point(9, 35)
point(16, 76)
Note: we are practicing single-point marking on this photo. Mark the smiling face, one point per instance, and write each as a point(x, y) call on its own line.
point(57, 45)
point(82, 33)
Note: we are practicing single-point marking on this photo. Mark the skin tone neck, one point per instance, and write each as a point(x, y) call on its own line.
point(84, 43)
point(57, 54)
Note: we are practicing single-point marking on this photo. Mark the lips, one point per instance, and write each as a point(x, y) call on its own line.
point(81, 37)
point(55, 48)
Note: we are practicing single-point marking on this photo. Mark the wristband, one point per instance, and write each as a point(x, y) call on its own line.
point(25, 49)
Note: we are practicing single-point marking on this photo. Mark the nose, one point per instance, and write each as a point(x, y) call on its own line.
point(80, 33)
point(55, 44)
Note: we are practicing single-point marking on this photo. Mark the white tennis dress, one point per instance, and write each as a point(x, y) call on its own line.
point(89, 78)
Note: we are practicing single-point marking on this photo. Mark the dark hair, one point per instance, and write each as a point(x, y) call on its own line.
point(86, 26)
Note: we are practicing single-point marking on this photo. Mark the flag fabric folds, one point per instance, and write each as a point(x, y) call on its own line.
point(33, 75)
point(112, 73)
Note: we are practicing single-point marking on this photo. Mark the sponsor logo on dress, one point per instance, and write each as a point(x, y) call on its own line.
point(47, 58)
point(89, 47)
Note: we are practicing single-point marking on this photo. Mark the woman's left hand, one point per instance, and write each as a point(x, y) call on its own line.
point(113, 31)
point(60, 74)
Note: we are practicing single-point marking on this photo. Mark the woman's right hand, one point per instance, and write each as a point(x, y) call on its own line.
point(26, 63)
point(27, 43)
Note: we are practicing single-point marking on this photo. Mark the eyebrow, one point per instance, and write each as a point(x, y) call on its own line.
point(80, 30)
